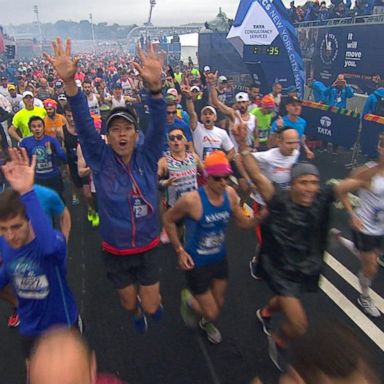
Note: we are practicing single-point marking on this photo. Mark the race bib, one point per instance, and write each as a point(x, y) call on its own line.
point(140, 208)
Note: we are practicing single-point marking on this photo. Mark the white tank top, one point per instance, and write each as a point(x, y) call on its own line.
point(186, 173)
point(118, 103)
point(251, 126)
point(93, 105)
point(371, 209)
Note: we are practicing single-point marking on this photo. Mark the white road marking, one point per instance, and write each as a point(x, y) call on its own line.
point(362, 321)
point(352, 279)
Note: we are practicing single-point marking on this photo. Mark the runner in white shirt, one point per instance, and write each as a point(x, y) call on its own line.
point(367, 222)
point(206, 137)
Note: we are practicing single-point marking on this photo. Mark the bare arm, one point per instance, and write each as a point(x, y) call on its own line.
point(228, 111)
point(193, 119)
point(65, 223)
point(241, 221)
point(82, 167)
point(13, 133)
point(180, 210)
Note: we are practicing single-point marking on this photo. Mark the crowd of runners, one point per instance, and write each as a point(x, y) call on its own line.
point(168, 155)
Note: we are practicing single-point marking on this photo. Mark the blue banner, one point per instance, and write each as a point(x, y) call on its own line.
point(263, 34)
point(331, 126)
point(352, 50)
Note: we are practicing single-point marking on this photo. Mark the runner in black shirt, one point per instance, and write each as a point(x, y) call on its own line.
point(294, 240)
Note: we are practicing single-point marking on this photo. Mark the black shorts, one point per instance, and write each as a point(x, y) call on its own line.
point(74, 173)
point(284, 283)
point(28, 342)
point(367, 243)
point(199, 279)
point(141, 268)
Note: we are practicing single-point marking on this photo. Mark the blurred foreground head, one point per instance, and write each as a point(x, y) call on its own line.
point(330, 354)
point(62, 357)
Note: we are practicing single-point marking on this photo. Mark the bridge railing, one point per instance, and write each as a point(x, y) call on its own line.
point(370, 19)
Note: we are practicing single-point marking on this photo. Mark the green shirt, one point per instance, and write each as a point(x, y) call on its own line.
point(263, 124)
point(21, 119)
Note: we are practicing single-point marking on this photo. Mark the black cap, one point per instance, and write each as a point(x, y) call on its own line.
point(293, 100)
point(125, 114)
point(58, 84)
point(117, 86)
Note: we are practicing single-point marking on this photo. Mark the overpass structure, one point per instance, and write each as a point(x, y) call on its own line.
point(157, 32)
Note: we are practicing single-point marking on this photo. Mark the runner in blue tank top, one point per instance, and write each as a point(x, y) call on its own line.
point(206, 213)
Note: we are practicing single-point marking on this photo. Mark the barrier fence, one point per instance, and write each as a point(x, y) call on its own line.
point(343, 127)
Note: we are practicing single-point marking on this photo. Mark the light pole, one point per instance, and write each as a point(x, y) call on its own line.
point(92, 29)
point(36, 12)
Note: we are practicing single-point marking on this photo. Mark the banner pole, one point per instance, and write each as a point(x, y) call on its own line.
point(356, 148)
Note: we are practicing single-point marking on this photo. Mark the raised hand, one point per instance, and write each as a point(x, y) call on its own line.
point(151, 67)
point(186, 91)
point(18, 172)
point(212, 78)
point(61, 61)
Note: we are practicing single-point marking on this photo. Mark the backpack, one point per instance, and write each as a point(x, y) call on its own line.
point(379, 108)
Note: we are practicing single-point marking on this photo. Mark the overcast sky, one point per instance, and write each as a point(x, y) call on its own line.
point(166, 12)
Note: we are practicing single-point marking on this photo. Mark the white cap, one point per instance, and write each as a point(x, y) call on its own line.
point(195, 88)
point(242, 96)
point(207, 68)
point(27, 93)
point(213, 110)
point(222, 78)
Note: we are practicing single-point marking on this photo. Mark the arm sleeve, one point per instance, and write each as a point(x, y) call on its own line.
point(274, 127)
point(58, 149)
point(155, 136)
point(48, 239)
point(92, 144)
point(368, 106)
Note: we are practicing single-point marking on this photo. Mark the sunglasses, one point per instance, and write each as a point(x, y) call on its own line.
point(176, 137)
point(219, 178)
point(171, 112)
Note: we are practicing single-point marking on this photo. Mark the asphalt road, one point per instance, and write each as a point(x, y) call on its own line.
point(171, 354)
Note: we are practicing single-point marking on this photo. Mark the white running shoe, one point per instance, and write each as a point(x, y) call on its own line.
point(368, 306)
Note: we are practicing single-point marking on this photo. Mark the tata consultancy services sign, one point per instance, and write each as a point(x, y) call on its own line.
point(256, 29)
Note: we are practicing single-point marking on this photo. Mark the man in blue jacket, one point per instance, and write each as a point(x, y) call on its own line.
point(375, 101)
point(34, 256)
point(125, 176)
point(338, 93)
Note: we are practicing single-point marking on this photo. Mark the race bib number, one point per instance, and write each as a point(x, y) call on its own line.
point(32, 287)
point(140, 208)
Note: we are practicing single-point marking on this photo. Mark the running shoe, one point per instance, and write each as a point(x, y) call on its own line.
point(187, 313)
point(140, 321)
point(277, 354)
point(95, 220)
point(368, 306)
point(335, 233)
point(253, 268)
point(164, 237)
point(265, 322)
point(14, 320)
point(158, 314)
point(380, 260)
point(90, 214)
point(213, 334)
point(75, 200)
